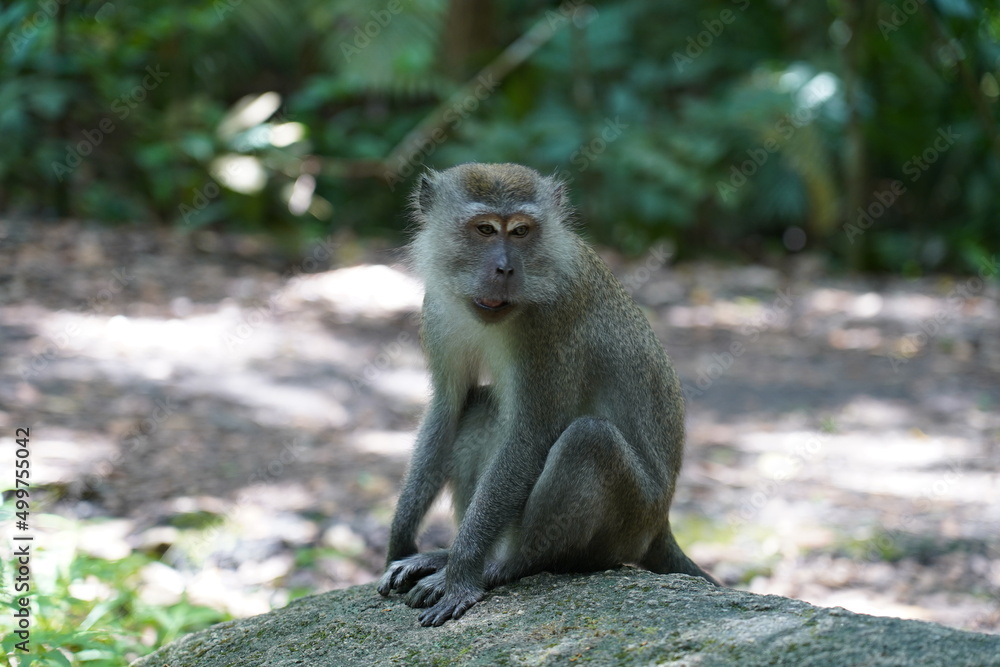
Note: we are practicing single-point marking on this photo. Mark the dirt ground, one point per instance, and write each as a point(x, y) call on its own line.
point(249, 417)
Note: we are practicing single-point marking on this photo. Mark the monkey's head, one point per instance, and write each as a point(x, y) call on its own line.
point(493, 236)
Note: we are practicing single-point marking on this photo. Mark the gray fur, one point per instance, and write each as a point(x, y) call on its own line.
point(557, 419)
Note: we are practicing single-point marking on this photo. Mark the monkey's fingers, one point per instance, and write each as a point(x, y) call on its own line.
point(385, 584)
point(393, 578)
point(427, 591)
point(402, 574)
point(451, 606)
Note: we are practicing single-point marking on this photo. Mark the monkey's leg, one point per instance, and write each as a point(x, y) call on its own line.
point(478, 434)
point(425, 479)
point(403, 574)
point(593, 507)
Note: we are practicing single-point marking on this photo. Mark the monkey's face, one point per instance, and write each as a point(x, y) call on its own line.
point(492, 237)
point(496, 246)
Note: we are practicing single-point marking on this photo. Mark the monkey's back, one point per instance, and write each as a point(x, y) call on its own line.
point(638, 378)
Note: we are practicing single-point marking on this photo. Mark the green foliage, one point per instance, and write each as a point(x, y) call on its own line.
point(716, 124)
point(89, 613)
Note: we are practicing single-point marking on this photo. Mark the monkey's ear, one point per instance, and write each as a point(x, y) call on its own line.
point(423, 194)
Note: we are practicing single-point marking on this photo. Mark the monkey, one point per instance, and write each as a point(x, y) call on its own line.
point(556, 418)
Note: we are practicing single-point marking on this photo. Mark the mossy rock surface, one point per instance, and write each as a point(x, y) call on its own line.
point(620, 617)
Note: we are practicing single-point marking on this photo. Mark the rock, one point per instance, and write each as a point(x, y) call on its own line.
point(619, 617)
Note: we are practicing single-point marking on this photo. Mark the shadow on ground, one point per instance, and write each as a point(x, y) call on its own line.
point(203, 398)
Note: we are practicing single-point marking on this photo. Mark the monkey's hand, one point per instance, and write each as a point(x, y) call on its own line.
point(427, 591)
point(402, 574)
point(453, 604)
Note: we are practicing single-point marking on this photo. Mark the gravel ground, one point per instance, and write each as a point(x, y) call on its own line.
point(250, 417)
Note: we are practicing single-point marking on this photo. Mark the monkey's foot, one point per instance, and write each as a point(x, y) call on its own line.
point(401, 575)
point(427, 591)
point(452, 605)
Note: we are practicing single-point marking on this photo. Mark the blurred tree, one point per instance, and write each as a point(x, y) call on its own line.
point(470, 33)
point(718, 124)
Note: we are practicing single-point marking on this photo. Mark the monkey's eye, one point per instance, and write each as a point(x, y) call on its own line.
point(486, 229)
point(519, 232)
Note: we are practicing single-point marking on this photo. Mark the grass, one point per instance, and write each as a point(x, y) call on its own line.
point(88, 611)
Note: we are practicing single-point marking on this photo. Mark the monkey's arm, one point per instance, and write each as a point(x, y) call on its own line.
point(427, 476)
point(499, 499)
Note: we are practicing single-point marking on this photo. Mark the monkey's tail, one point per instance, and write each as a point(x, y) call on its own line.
point(665, 556)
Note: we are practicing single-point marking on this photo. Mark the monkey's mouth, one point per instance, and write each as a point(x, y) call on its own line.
point(492, 305)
